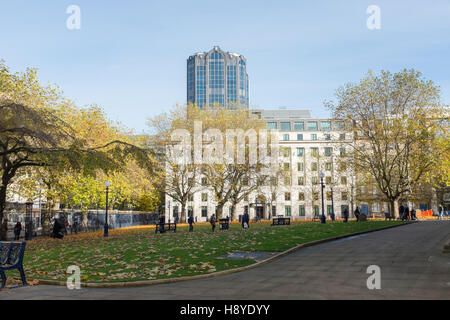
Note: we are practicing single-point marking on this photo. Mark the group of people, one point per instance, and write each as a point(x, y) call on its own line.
point(406, 214)
point(213, 219)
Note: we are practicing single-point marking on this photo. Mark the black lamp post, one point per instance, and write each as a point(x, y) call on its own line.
point(322, 218)
point(29, 220)
point(169, 212)
point(105, 232)
point(332, 204)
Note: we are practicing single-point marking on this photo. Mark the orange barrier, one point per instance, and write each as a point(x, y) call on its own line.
point(427, 213)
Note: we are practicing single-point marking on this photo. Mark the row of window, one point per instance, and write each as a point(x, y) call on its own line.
point(287, 196)
point(287, 179)
point(301, 210)
point(310, 125)
point(286, 152)
point(313, 137)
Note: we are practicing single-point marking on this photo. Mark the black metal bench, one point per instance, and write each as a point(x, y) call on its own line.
point(11, 257)
point(281, 221)
point(164, 227)
point(224, 224)
point(387, 215)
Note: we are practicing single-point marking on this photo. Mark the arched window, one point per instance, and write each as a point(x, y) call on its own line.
point(216, 77)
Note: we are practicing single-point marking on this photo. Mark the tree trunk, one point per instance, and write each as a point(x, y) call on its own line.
point(233, 211)
point(3, 233)
point(84, 219)
point(183, 211)
point(393, 204)
point(220, 210)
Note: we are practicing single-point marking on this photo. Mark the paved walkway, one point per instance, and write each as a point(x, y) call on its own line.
point(410, 257)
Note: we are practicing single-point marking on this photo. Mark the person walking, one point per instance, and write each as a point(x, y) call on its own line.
point(406, 213)
point(245, 221)
point(74, 227)
point(345, 215)
point(191, 221)
point(441, 210)
point(17, 230)
point(357, 213)
point(162, 221)
point(212, 220)
point(413, 214)
point(401, 211)
point(4, 230)
point(57, 230)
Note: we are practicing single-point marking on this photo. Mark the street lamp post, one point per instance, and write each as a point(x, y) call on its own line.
point(322, 218)
point(105, 232)
point(169, 212)
point(29, 220)
point(332, 204)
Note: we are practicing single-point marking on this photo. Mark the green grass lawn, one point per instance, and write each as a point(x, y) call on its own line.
point(139, 254)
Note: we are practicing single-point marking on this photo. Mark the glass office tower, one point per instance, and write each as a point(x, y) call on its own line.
point(217, 77)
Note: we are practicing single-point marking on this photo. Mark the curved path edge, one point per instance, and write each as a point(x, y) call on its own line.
point(215, 274)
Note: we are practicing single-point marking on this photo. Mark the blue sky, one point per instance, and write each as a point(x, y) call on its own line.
point(130, 56)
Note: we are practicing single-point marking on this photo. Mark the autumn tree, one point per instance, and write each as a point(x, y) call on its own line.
point(395, 120)
point(222, 175)
point(274, 182)
point(34, 135)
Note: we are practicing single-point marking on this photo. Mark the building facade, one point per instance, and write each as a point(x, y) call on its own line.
point(308, 147)
point(217, 77)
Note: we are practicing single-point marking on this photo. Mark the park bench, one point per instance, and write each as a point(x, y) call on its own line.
point(281, 221)
point(387, 215)
point(163, 227)
point(224, 224)
point(11, 257)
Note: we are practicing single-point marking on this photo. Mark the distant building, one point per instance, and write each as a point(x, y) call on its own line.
point(217, 77)
point(308, 146)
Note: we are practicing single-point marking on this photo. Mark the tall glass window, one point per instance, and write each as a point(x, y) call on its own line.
point(242, 92)
point(201, 86)
point(339, 125)
point(271, 125)
point(312, 126)
point(216, 77)
point(301, 210)
point(287, 211)
point(325, 125)
point(299, 126)
point(191, 80)
point(216, 98)
point(285, 126)
point(231, 85)
point(316, 210)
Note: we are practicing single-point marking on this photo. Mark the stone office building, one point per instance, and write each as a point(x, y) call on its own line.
point(308, 147)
